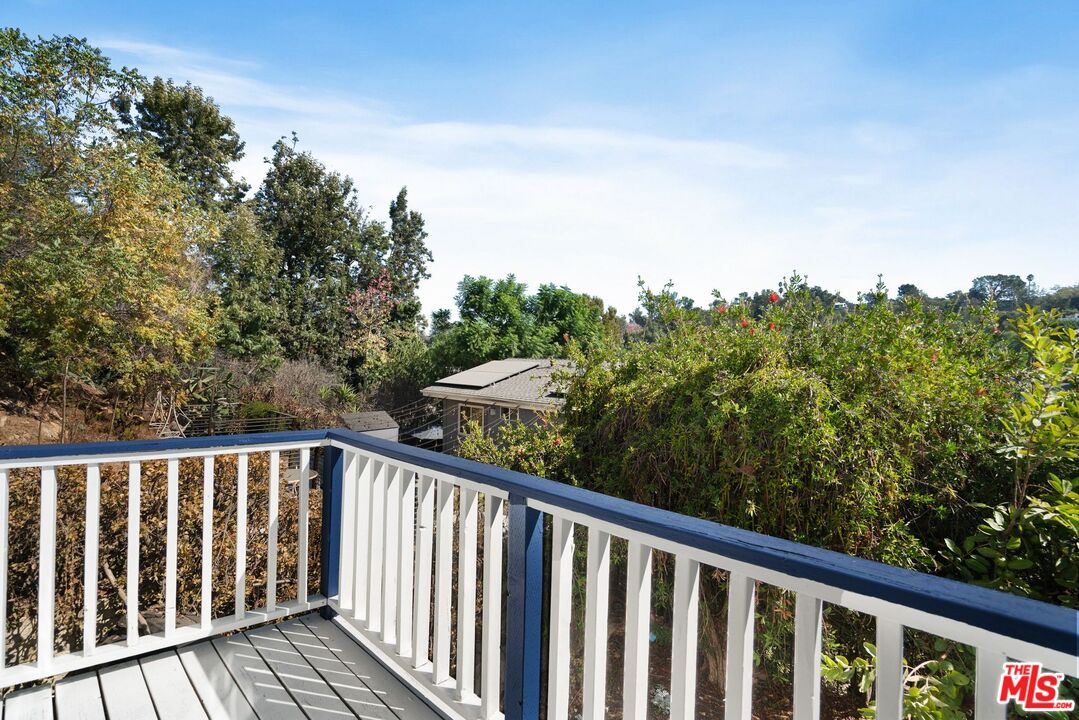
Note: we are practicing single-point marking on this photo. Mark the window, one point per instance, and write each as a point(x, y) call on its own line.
point(509, 415)
point(470, 414)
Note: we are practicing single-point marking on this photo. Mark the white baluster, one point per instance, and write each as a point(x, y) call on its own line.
point(595, 625)
point(89, 578)
point(206, 618)
point(240, 606)
point(424, 551)
point(172, 475)
point(362, 478)
point(638, 614)
point(491, 661)
point(405, 570)
point(889, 670)
point(134, 491)
point(347, 556)
point(989, 667)
point(272, 522)
point(305, 513)
point(375, 538)
point(687, 580)
point(807, 649)
point(392, 515)
point(443, 582)
point(741, 603)
point(561, 611)
point(466, 595)
point(46, 586)
point(4, 498)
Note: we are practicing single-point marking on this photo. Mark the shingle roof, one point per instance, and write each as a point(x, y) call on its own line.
point(534, 386)
point(365, 421)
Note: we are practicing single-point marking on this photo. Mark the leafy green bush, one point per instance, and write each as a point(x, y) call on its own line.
point(259, 409)
point(864, 433)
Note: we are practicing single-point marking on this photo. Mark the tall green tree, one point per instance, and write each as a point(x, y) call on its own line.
point(193, 137)
point(407, 260)
point(499, 319)
point(94, 253)
point(245, 263)
point(328, 251)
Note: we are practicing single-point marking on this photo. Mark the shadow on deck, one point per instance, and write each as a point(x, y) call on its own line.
point(305, 667)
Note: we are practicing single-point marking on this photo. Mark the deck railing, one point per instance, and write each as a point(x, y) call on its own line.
point(392, 560)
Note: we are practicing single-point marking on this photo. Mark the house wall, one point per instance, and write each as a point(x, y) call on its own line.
point(385, 434)
point(492, 416)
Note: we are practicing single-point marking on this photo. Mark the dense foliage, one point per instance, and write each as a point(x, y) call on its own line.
point(862, 432)
point(498, 319)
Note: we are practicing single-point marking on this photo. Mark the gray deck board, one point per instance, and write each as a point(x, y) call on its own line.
point(79, 698)
point(395, 694)
point(303, 668)
point(30, 704)
point(174, 698)
point(361, 699)
point(221, 696)
point(124, 690)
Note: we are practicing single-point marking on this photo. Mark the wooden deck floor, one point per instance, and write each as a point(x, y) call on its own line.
point(306, 667)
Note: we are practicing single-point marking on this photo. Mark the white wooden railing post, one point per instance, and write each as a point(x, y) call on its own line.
point(375, 541)
point(443, 582)
point(597, 597)
point(89, 578)
point(406, 571)
point(134, 491)
point(687, 580)
point(989, 666)
point(807, 650)
point(172, 504)
point(638, 615)
point(207, 590)
point(421, 650)
point(741, 607)
point(46, 579)
point(347, 583)
point(889, 690)
point(304, 490)
point(4, 495)
point(272, 523)
point(492, 606)
point(561, 611)
point(466, 594)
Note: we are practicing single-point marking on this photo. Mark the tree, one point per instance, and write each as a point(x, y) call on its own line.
point(498, 319)
point(910, 291)
point(407, 260)
point(94, 253)
point(328, 251)
point(1008, 291)
point(193, 137)
point(244, 263)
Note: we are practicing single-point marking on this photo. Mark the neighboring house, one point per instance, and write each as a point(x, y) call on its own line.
point(497, 392)
point(377, 423)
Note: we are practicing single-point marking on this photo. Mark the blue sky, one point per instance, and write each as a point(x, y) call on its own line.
point(718, 145)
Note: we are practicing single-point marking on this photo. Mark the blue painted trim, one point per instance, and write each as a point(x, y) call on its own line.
point(333, 482)
point(34, 452)
point(1021, 618)
point(524, 611)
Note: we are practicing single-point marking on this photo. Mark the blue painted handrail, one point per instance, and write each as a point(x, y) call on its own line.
point(1023, 619)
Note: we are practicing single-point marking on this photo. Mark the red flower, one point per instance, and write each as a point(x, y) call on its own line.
point(745, 323)
point(772, 326)
point(722, 309)
point(557, 441)
point(773, 297)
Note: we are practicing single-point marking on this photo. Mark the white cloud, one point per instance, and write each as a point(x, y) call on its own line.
point(594, 207)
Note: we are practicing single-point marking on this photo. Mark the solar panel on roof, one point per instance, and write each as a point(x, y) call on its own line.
point(488, 374)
